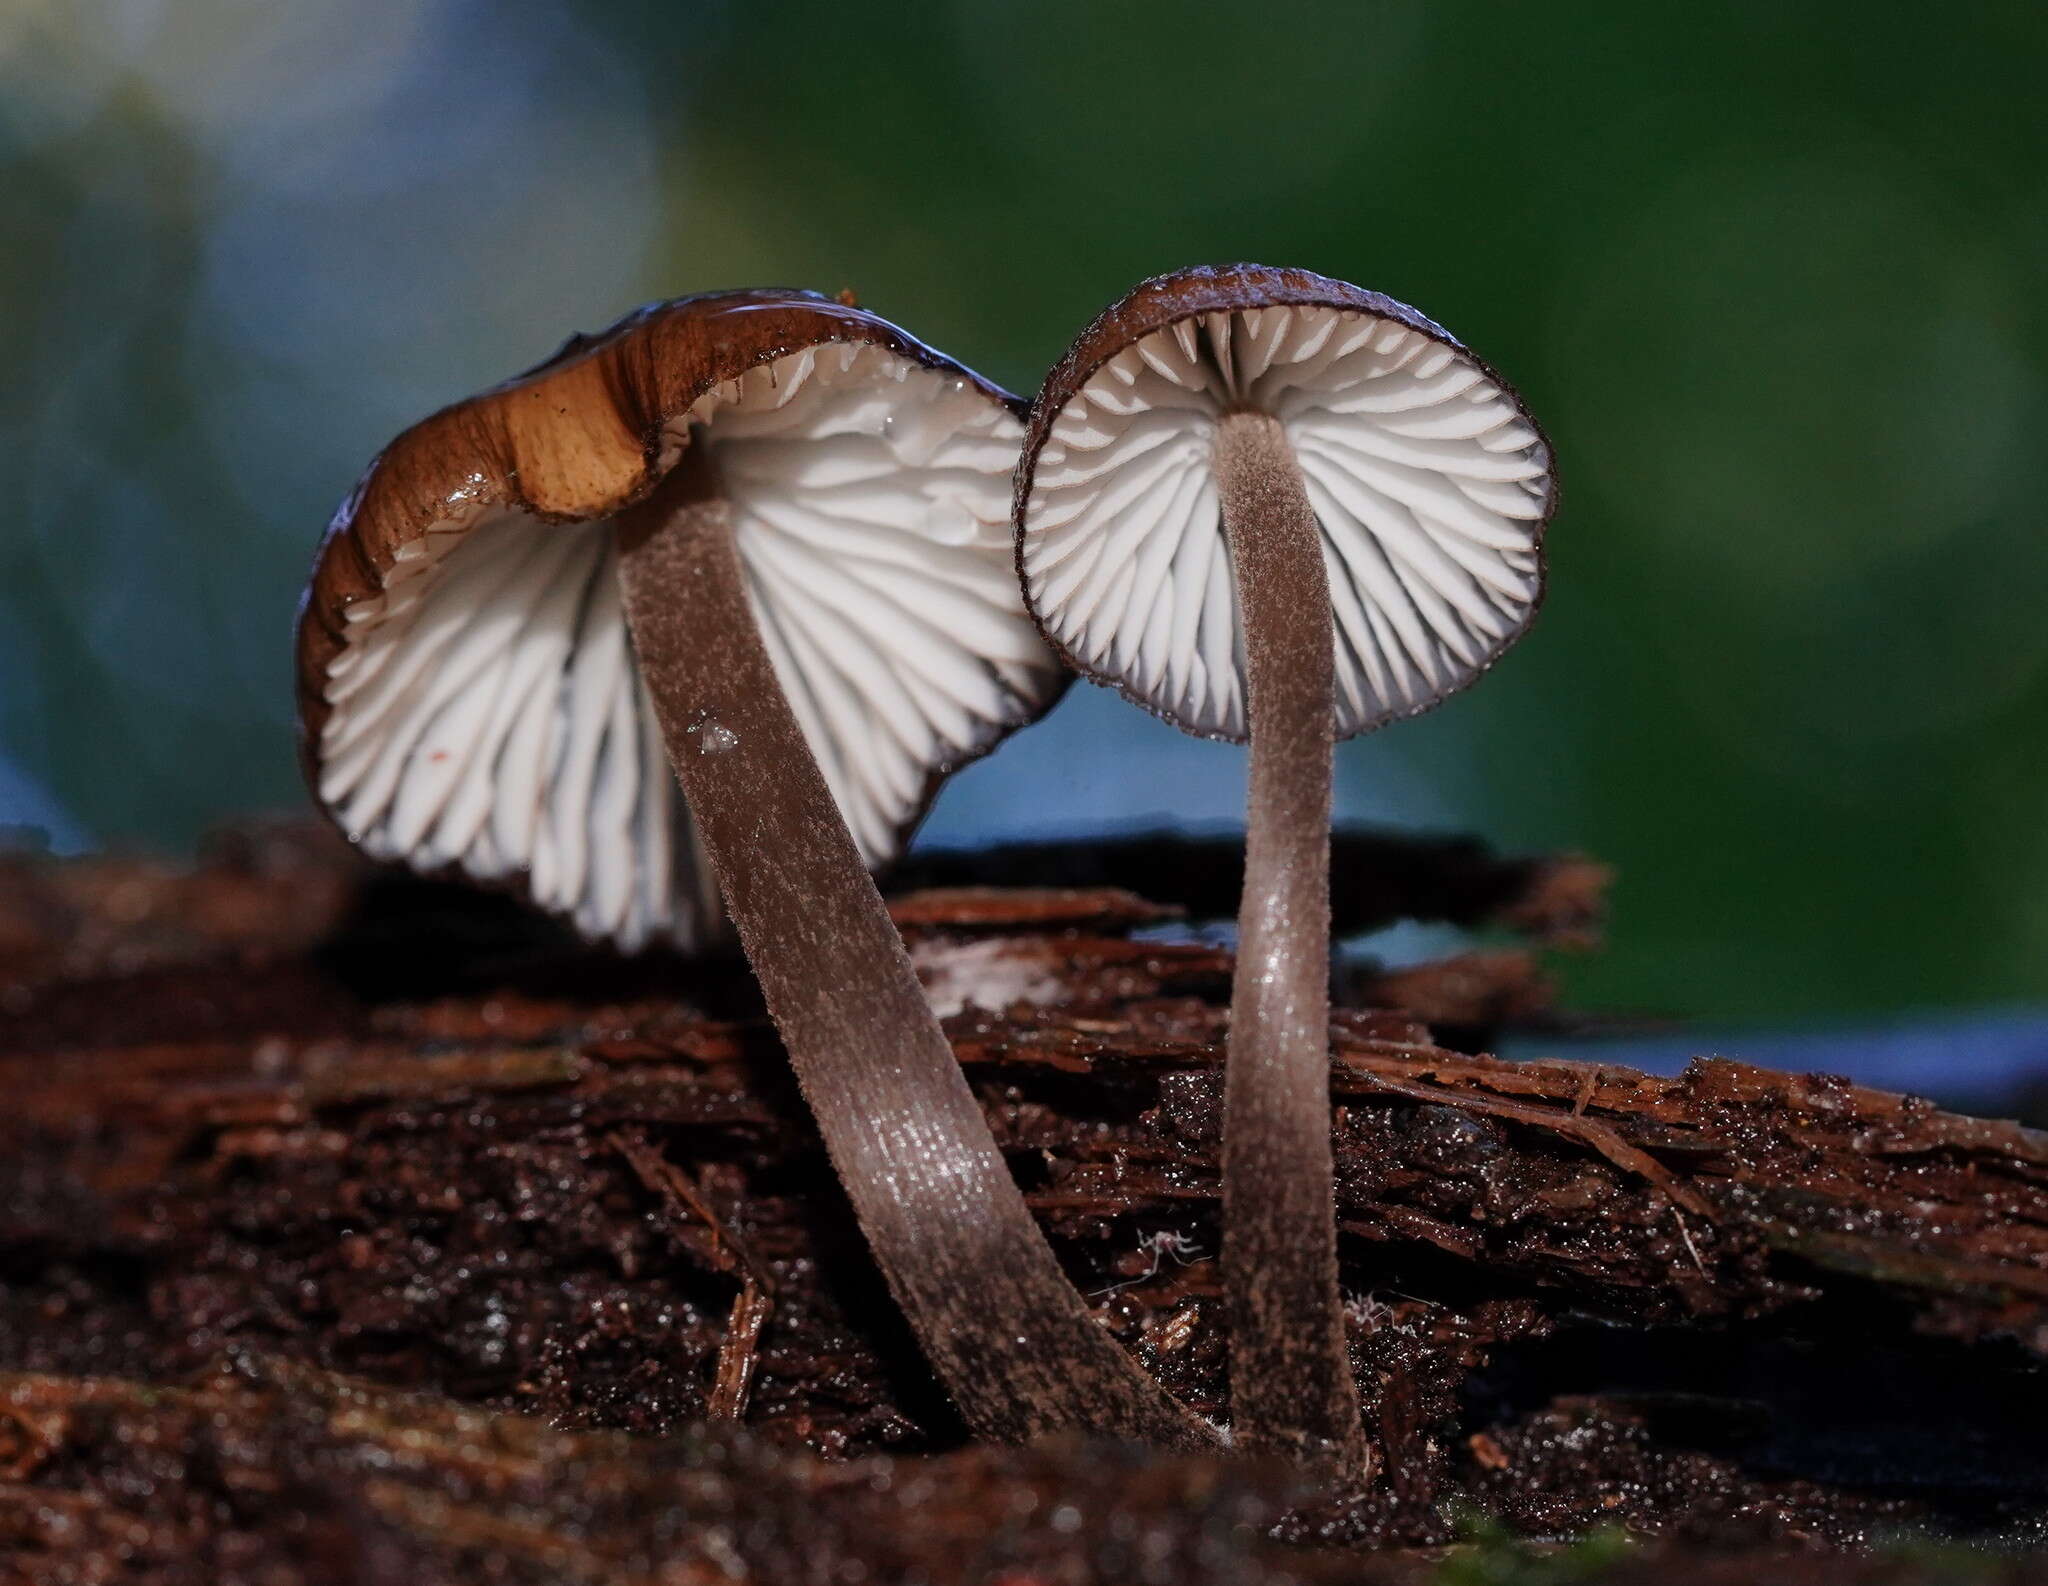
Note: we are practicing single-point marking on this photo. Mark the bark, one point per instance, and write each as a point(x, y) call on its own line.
point(1722, 1309)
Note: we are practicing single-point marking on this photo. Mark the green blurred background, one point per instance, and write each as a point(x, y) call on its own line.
point(1772, 275)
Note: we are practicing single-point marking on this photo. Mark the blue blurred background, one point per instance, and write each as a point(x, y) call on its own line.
point(1771, 275)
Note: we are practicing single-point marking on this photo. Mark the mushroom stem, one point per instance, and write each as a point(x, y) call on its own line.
point(1292, 1390)
point(1007, 1333)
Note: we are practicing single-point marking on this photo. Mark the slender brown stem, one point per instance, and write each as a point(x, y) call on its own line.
point(1291, 1389)
point(1006, 1332)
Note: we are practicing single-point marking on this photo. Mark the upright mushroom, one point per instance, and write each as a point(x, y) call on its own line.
point(761, 535)
point(1269, 505)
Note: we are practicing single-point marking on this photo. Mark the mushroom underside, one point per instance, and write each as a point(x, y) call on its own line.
point(487, 713)
point(1428, 484)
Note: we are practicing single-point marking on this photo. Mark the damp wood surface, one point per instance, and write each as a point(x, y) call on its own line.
point(361, 1230)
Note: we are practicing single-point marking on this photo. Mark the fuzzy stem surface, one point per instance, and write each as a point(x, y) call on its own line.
point(1292, 1391)
point(999, 1322)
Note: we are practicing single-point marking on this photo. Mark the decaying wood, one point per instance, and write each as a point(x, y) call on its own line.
point(1376, 879)
point(1724, 1306)
point(111, 1479)
point(259, 1470)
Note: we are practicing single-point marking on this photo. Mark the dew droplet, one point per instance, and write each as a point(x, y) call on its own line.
point(714, 737)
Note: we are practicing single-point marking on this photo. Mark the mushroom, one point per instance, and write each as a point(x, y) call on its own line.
point(761, 536)
point(1271, 506)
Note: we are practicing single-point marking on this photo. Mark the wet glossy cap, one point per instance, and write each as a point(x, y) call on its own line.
point(469, 698)
point(1430, 481)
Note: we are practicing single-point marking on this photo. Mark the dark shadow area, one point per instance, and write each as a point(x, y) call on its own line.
point(1842, 1394)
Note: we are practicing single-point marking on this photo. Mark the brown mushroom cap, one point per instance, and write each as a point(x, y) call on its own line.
point(468, 694)
point(1431, 482)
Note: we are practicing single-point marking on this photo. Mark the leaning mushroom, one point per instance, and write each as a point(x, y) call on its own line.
point(758, 537)
point(1269, 505)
